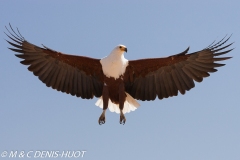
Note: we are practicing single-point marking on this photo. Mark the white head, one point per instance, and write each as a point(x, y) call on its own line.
point(114, 64)
point(119, 49)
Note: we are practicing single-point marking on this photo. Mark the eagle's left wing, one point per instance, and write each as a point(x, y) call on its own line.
point(164, 77)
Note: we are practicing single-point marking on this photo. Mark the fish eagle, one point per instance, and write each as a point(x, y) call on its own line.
point(116, 81)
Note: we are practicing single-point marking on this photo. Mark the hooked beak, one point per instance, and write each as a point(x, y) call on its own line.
point(125, 49)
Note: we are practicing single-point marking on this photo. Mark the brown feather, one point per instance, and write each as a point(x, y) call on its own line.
point(67, 73)
point(79, 91)
point(178, 81)
point(144, 79)
point(174, 73)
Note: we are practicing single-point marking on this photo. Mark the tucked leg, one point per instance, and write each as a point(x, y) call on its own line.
point(122, 118)
point(105, 96)
point(122, 98)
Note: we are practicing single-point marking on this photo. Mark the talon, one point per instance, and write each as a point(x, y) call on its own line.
point(101, 119)
point(101, 122)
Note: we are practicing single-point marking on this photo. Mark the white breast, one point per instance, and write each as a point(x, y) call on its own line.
point(114, 65)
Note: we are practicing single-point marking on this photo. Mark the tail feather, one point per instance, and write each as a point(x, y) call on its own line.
point(129, 105)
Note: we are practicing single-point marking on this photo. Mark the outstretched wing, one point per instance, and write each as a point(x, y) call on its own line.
point(164, 77)
point(76, 75)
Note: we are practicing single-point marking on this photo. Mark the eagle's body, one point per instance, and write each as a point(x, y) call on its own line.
point(116, 81)
point(114, 67)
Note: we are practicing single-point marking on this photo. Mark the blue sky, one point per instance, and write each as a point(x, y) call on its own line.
point(203, 124)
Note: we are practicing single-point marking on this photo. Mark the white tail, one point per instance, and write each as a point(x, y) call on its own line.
point(129, 105)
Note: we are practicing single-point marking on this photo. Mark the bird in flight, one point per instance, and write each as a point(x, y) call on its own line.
point(116, 81)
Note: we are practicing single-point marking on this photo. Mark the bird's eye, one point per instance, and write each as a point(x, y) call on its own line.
point(120, 47)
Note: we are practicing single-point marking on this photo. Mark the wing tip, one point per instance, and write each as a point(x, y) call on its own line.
point(214, 45)
point(17, 35)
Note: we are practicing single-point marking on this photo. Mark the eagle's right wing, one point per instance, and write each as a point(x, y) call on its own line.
point(76, 75)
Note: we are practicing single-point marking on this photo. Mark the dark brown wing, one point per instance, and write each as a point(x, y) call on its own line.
point(164, 77)
point(76, 75)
